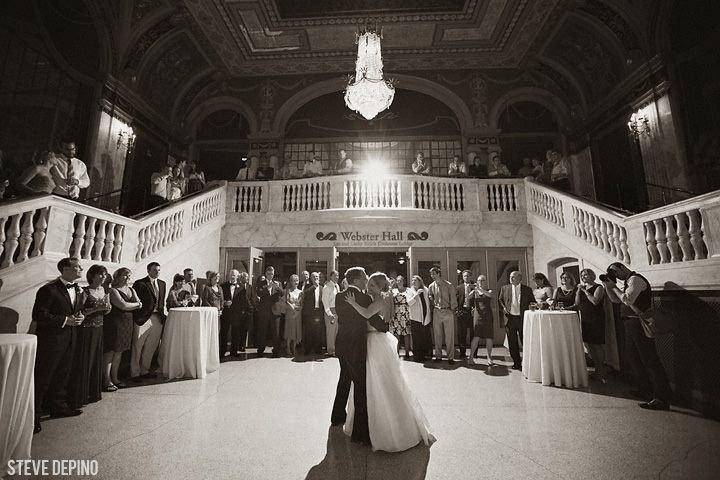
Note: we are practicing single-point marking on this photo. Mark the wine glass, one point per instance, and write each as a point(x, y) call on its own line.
point(194, 299)
point(550, 302)
point(533, 306)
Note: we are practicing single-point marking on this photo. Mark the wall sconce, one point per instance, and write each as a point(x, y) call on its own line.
point(126, 138)
point(639, 125)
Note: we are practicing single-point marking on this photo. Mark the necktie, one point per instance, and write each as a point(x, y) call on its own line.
point(71, 286)
point(155, 289)
point(69, 174)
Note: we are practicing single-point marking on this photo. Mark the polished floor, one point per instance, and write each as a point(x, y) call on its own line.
point(269, 419)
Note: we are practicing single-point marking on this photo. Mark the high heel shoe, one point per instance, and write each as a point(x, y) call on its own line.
point(110, 388)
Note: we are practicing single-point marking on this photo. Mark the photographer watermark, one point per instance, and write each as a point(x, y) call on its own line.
point(54, 468)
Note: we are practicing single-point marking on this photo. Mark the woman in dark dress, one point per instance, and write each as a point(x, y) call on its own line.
point(589, 300)
point(86, 378)
point(481, 300)
point(212, 295)
point(195, 179)
point(118, 327)
point(565, 293)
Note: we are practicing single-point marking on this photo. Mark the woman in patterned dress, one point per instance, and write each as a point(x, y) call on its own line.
point(400, 325)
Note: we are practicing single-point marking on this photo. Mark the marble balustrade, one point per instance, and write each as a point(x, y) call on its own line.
point(383, 192)
point(23, 229)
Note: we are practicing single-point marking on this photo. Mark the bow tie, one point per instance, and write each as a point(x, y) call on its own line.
point(70, 286)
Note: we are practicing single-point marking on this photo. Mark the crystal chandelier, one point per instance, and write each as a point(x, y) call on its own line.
point(368, 93)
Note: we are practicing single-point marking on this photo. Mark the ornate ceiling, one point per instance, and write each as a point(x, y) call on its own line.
point(277, 37)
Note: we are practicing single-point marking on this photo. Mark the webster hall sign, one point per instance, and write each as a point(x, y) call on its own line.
point(360, 238)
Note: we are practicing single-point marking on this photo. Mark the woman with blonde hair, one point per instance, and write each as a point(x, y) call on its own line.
point(565, 293)
point(293, 315)
point(395, 418)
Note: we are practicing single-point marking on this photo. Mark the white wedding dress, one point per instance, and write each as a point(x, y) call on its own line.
point(395, 417)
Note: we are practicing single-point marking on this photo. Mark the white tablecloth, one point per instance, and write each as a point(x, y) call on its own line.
point(190, 346)
point(17, 396)
point(553, 350)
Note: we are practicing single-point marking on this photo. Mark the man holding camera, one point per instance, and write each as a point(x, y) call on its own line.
point(636, 311)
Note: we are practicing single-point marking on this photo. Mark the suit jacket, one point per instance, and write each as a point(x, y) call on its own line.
point(235, 308)
point(351, 340)
point(268, 296)
point(52, 306)
point(461, 294)
point(505, 298)
point(415, 306)
point(308, 302)
point(150, 302)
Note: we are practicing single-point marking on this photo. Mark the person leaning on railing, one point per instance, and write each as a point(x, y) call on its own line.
point(419, 166)
point(456, 167)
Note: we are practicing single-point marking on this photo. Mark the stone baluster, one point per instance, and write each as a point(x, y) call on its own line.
point(661, 240)
point(3, 220)
point(651, 242)
point(41, 225)
point(597, 239)
point(576, 222)
point(89, 238)
point(624, 246)
point(155, 236)
point(142, 245)
point(516, 203)
point(672, 239)
point(78, 235)
point(236, 199)
point(684, 237)
point(99, 240)
point(696, 235)
point(615, 240)
point(12, 241)
point(506, 197)
point(26, 235)
point(109, 239)
point(605, 230)
point(117, 243)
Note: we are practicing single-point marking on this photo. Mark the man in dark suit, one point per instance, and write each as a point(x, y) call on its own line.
point(463, 314)
point(351, 350)
point(514, 299)
point(313, 315)
point(56, 313)
point(268, 293)
point(236, 312)
point(149, 321)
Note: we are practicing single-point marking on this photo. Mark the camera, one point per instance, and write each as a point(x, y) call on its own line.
point(608, 277)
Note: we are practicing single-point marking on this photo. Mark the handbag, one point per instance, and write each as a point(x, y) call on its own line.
point(647, 320)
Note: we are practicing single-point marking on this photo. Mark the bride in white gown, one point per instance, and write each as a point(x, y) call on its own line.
point(395, 417)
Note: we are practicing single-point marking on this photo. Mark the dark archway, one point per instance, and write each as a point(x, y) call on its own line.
point(221, 143)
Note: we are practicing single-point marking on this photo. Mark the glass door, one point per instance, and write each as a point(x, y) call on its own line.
point(423, 259)
point(501, 263)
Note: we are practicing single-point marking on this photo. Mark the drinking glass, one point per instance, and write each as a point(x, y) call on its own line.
point(533, 306)
point(560, 305)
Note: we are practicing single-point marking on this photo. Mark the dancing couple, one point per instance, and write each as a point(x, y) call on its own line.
point(373, 401)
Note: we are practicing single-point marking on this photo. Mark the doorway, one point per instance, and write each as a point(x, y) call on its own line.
point(392, 263)
point(284, 263)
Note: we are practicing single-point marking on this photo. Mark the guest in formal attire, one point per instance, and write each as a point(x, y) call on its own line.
point(38, 178)
point(293, 319)
point(475, 167)
point(149, 321)
point(589, 301)
point(313, 315)
point(400, 324)
point(480, 298)
point(176, 184)
point(636, 312)
point(543, 289)
point(236, 312)
point(420, 319)
point(56, 312)
point(159, 186)
point(560, 171)
point(304, 280)
point(514, 299)
point(527, 169)
point(565, 294)
point(344, 164)
point(191, 285)
point(86, 379)
point(313, 168)
point(69, 173)
point(195, 179)
point(419, 166)
point(538, 170)
point(267, 316)
point(464, 315)
point(496, 168)
point(177, 296)
point(444, 303)
point(118, 326)
point(212, 294)
point(329, 290)
point(456, 167)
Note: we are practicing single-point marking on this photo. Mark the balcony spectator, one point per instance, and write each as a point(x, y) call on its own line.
point(37, 178)
point(195, 179)
point(273, 170)
point(497, 168)
point(456, 167)
point(589, 300)
point(526, 170)
point(313, 168)
point(175, 184)
point(419, 166)
point(475, 168)
point(159, 186)
point(559, 171)
point(69, 173)
point(543, 288)
point(344, 164)
point(538, 170)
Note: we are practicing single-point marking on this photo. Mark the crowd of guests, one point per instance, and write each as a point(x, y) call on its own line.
point(174, 181)
point(84, 332)
point(553, 169)
point(58, 172)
